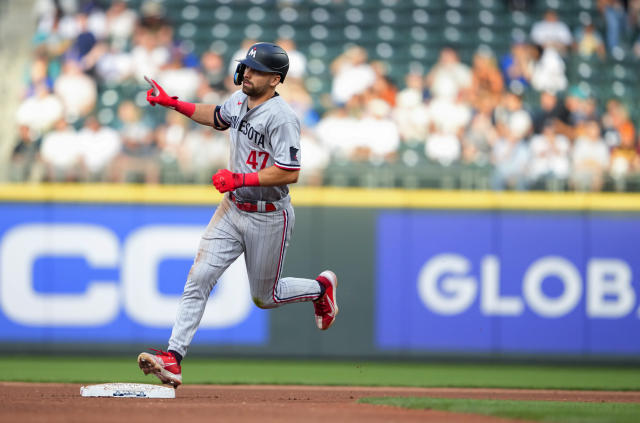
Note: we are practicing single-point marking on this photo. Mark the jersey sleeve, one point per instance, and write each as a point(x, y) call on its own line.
point(285, 140)
point(225, 111)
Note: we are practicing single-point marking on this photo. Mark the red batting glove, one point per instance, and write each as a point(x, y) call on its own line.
point(224, 180)
point(156, 95)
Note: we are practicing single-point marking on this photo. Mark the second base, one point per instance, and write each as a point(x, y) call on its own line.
point(127, 390)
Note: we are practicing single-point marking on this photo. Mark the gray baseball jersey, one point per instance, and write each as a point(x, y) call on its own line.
point(266, 135)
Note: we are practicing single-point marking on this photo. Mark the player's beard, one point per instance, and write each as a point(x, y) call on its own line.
point(255, 92)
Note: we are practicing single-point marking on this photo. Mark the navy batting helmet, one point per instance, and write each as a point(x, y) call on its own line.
point(265, 57)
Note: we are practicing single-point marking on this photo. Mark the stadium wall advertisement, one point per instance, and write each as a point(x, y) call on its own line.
point(508, 283)
point(423, 274)
point(111, 273)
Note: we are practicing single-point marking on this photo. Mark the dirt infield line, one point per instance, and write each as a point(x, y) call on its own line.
point(47, 402)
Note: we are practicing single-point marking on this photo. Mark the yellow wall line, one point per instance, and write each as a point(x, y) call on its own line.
point(325, 197)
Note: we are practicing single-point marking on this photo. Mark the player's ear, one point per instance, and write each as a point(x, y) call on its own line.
point(275, 79)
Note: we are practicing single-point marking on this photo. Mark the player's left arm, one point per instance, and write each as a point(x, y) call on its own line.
point(224, 180)
point(275, 176)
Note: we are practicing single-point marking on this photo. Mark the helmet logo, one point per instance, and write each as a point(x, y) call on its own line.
point(252, 53)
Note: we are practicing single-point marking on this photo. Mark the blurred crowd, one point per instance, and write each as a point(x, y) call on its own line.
point(453, 113)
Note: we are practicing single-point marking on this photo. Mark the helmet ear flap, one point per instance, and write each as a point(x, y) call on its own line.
point(238, 76)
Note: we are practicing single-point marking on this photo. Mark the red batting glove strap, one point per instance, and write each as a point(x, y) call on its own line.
point(238, 180)
point(251, 179)
point(187, 109)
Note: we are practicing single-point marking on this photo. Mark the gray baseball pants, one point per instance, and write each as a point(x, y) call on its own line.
point(264, 238)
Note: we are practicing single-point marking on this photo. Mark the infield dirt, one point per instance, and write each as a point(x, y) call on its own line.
point(53, 403)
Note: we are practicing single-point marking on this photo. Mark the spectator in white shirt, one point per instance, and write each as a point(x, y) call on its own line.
point(77, 91)
point(511, 119)
point(113, 64)
point(40, 111)
point(549, 72)
point(549, 161)
point(374, 137)
point(178, 79)
point(150, 54)
point(378, 132)
point(60, 153)
point(121, 21)
point(99, 145)
point(338, 131)
point(449, 115)
point(411, 116)
point(449, 77)
point(443, 148)
point(352, 75)
point(590, 158)
point(510, 155)
point(551, 32)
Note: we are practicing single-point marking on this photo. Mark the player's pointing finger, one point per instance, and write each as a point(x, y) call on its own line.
point(150, 97)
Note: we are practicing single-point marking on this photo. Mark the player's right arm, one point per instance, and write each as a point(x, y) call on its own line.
point(204, 114)
point(209, 114)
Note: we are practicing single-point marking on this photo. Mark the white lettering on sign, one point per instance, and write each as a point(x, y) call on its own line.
point(610, 294)
point(446, 287)
point(146, 248)
point(566, 273)
point(492, 303)
point(137, 291)
point(20, 248)
point(458, 290)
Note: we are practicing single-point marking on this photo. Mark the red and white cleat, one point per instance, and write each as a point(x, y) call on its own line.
point(163, 364)
point(326, 307)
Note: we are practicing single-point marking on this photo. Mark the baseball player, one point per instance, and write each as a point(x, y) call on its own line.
point(255, 216)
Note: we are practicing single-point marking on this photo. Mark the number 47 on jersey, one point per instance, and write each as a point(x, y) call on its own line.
point(258, 158)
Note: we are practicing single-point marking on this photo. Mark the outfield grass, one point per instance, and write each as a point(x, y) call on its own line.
point(546, 411)
point(232, 371)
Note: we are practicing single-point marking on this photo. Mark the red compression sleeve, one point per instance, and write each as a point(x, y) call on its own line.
point(251, 179)
point(187, 109)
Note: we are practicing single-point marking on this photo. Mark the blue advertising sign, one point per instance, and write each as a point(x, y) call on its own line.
point(508, 282)
point(112, 273)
